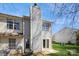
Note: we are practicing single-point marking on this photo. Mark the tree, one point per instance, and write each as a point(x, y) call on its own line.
point(69, 11)
point(77, 37)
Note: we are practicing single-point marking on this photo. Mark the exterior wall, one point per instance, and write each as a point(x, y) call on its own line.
point(26, 30)
point(3, 24)
point(65, 35)
point(4, 42)
point(3, 29)
point(46, 35)
point(36, 29)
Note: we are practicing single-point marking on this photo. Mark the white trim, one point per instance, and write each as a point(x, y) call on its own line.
point(46, 44)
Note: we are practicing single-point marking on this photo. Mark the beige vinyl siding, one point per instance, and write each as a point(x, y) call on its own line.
point(3, 24)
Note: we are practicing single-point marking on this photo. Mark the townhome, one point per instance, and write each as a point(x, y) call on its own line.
point(11, 32)
point(30, 33)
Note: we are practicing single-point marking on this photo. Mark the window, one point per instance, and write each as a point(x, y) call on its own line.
point(16, 25)
point(28, 44)
point(13, 25)
point(9, 24)
point(46, 26)
point(12, 43)
point(45, 43)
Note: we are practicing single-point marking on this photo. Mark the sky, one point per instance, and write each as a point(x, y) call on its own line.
point(22, 9)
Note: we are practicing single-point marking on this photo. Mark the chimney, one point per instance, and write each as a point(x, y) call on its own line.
point(35, 4)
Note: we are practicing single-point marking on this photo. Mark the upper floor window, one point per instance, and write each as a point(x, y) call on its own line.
point(9, 24)
point(16, 25)
point(13, 25)
point(46, 26)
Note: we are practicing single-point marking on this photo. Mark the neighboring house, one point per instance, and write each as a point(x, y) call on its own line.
point(66, 35)
point(31, 33)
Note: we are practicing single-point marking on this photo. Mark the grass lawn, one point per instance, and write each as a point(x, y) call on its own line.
point(63, 50)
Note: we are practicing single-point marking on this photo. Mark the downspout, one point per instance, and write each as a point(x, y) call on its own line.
point(30, 28)
point(23, 33)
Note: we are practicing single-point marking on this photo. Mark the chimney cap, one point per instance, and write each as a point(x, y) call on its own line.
point(35, 4)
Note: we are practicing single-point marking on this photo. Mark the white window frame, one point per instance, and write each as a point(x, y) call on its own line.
point(9, 22)
point(46, 43)
point(45, 26)
point(14, 24)
point(12, 43)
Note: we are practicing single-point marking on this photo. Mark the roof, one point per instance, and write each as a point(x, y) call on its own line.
point(26, 17)
point(47, 21)
point(7, 15)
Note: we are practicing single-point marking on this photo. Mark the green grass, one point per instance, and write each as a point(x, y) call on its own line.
point(63, 50)
point(71, 46)
point(76, 47)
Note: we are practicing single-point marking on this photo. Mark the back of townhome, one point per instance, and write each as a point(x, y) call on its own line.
point(30, 33)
